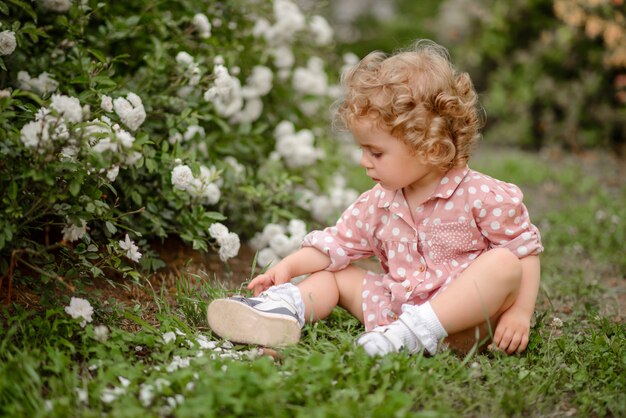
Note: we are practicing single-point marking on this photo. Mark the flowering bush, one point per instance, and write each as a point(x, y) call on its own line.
point(554, 71)
point(124, 123)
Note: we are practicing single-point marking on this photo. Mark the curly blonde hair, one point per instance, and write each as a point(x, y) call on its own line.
point(419, 97)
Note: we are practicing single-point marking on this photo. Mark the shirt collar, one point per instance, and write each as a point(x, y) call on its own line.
point(450, 182)
point(446, 188)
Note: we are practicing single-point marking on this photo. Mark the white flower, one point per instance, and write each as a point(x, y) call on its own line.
point(225, 94)
point(271, 230)
point(178, 362)
point(266, 256)
point(133, 158)
point(289, 20)
point(297, 149)
point(68, 153)
point(297, 228)
point(168, 337)
point(7, 42)
point(238, 168)
point(202, 25)
point(204, 342)
point(184, 59)
point(261, 26)
point(321, 30)
point(194, 74)
point(259, 83)
point(211, 193)
point(175, 137)
point(192, 131)
point(130, 110)
point(251, 111)
point(257, 242)
point(43, 84)
point(125, 382)
point(218, 230)
point(72, 232)
point(281, 245)
point(283, 57)
point(312, 79)
point(80, 309)
point(109, 395)
point(182, 177)
point(229, 246)
point(5, 93)
point(82, 395)
point(101, 333)
point(349, 60)
point(556, 322)
point(321, 208)
point(124, 137)
point(59, 6)
point(146, 394)
point(284, 128)
point(67, 107)
point(132, 251)
point(113, 172)
point(106, 103)
point(34, 133)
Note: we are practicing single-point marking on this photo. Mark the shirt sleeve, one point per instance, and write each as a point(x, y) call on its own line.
point(503, 219)
point(348, 240)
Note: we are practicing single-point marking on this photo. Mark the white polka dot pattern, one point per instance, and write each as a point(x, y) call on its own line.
point(449, 240)
point(424, 251)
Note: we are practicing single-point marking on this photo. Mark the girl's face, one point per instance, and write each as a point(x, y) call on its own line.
point(389, 161)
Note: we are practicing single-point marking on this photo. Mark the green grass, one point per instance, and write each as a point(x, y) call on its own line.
point(48, 362)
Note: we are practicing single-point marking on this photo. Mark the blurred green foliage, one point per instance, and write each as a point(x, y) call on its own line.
point(550, 73)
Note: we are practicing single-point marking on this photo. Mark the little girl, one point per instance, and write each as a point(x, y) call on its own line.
point(458, 250)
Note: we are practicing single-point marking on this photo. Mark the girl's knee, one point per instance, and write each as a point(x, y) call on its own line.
point(507, 264)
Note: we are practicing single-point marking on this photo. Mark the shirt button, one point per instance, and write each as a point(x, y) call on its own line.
point(421, 268)
point(409, 289)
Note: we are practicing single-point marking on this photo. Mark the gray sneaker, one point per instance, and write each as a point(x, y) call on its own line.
point(265, 320)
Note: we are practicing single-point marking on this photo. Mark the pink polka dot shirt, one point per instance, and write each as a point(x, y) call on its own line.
point(421, 253)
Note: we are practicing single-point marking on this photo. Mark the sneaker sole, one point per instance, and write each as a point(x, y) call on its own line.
point(237, 322)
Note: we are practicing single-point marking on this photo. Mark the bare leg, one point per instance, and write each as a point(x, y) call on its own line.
point(478, 297)
point(324, 290)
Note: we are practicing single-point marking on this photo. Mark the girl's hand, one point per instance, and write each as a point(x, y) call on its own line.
point(274, 276)
point(512, 331)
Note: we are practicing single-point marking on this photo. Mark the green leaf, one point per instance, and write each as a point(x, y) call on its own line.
point(81, 79)
point(13, 190)
point(4, 8)
point(110, 227)
point(99, 56)
point(199, 245)
point(75, 186)
point(151, 165)
point(216, 216)
point(136, 197)
point(103, 81)
point(26, 7)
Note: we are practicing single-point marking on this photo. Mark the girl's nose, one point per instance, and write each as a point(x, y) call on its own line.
point(365, 161)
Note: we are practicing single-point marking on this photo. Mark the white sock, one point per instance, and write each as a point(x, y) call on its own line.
point(291, 295)
point(424, 324)
point(417, 328)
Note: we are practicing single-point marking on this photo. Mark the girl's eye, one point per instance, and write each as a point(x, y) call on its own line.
point(376, 154)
